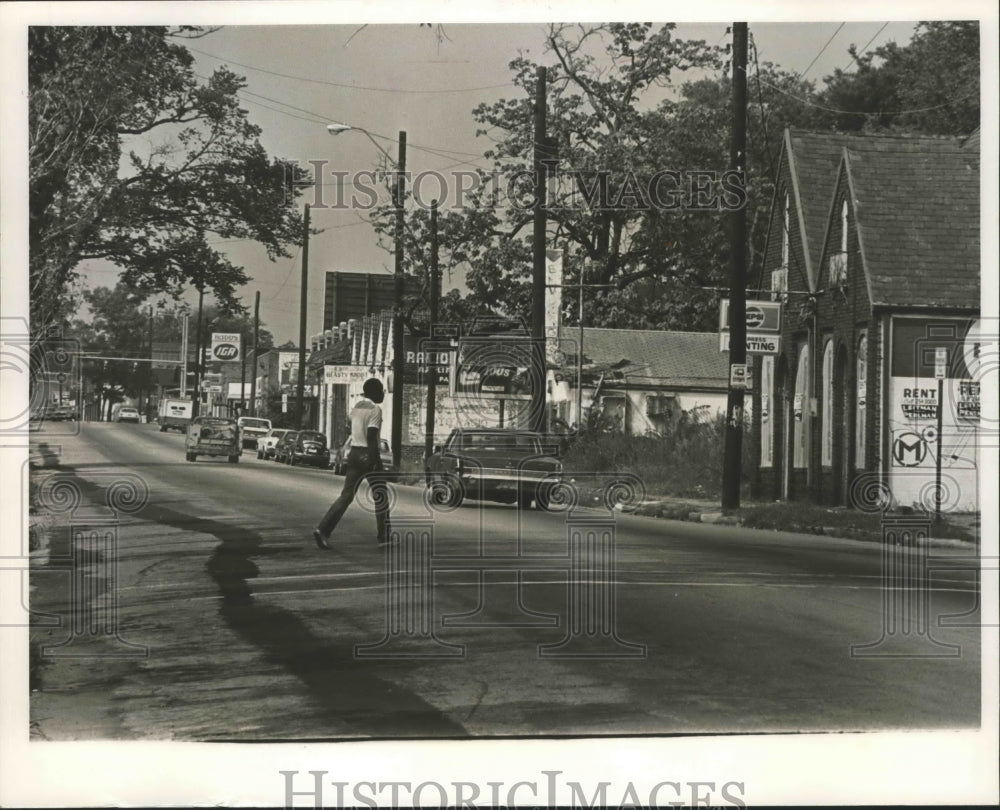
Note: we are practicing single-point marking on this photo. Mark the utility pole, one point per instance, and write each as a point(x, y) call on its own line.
point(243, 372)
point(538, 256)
point(303, 299)
point(198, 360)
point(253, 371)
point(398, 361)
point(432, 367)
point(150, 373)
point(184, 358)
point(732, 459)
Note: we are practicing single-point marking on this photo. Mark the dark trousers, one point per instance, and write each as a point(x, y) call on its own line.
point(357, 468)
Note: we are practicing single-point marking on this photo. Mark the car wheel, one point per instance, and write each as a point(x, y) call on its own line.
point(234, 459)
point(448, 492)
point(190, 456)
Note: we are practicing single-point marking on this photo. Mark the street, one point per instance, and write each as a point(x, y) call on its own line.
point(252, 633)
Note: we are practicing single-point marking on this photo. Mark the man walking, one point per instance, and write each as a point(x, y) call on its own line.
point(363, 458)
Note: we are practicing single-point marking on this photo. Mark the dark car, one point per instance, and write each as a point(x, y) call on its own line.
point(61, 413)
point(309, 448)
point(339, 460)
point(507, 466)
point(283, 448)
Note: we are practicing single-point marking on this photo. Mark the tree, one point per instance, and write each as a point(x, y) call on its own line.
point(119, 326)
point(135, 160)
point(615, 132)
point(930, 85)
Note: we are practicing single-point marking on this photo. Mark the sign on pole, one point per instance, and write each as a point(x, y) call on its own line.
point(940, 362)
point(763, 319)
point(225, 347)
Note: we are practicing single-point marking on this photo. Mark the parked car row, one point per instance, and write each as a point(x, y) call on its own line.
point(309, 447)
point(507, 466)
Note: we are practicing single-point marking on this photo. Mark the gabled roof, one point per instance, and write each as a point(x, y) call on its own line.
point(813, 159)
point(916, 206)
point(679, 359)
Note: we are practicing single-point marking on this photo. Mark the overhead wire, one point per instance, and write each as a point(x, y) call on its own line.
point(344, 86)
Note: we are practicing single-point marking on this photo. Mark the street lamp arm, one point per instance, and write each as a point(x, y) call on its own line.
point(336, 129)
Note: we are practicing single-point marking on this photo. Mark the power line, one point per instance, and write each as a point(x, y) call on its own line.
point(817, 56)
point(856, 54)
point(868, 112)
point(352, 86)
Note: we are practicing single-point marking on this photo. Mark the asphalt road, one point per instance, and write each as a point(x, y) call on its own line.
point(229, 624)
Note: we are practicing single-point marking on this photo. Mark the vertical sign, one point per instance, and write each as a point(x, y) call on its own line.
point(553, 303)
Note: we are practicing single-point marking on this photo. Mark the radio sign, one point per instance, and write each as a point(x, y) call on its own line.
point(225, 346)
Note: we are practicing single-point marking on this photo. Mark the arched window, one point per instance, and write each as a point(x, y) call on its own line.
point(843, 228)
point(800, 411)
point(826, 444)
point(861, 406)
point(785, 237)
point(767, 400)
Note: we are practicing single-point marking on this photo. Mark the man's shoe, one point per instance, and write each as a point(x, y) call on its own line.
point(321, 541)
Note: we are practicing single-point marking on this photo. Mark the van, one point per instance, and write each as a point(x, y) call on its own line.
point(213, 436)
point(174, 414)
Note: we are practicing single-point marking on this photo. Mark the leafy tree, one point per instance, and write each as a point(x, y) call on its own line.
point(136, 160)
point(930, 85)
point(119, 326)
point(613, 126)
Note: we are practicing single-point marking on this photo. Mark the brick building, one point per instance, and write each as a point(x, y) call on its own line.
point(873, 245)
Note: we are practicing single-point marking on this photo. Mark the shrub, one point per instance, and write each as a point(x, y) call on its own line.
point(684, 460)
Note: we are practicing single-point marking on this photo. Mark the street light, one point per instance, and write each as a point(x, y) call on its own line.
point(398, 363)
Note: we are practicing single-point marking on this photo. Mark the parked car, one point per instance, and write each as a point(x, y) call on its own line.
point(213, 436)
point(507, 466)
point(284, 446)
point(265, 446)
point(63, 413)
point(128, 414)
point(339, 460)
point(253, 429)
point(310, 448)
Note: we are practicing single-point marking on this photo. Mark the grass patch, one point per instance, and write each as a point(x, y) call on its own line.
point(840, 522)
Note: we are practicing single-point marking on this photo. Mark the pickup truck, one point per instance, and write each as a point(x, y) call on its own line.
point(500, 465)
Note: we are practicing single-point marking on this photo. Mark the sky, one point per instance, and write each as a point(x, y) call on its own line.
point(426, 81)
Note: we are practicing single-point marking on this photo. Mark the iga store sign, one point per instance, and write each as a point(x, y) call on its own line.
point(225, 347)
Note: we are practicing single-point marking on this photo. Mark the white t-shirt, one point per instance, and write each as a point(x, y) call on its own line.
point(365, 414)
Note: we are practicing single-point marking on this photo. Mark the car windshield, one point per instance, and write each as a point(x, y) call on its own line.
point(312, 436)
point(511, 442)
point(254, 423)
point(123, 410)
